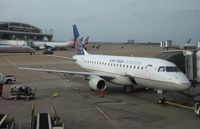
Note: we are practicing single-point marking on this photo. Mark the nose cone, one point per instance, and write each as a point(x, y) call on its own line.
point(182, 83)
point(183, 86)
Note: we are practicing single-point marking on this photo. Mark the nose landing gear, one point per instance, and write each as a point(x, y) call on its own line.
point(197, 108)
point(162, 99)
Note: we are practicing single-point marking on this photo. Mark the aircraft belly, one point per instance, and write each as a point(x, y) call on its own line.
point(155, 84)
point(121, 80)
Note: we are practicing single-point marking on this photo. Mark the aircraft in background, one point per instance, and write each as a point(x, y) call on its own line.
point(40, 44)
point(16, 49)
point(52, 45)
point(45, 44)
point(126, 71)
point(58, 45)
point(75, 32)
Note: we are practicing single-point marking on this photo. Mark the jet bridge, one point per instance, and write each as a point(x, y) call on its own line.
point(188, 61)
point(176, 57)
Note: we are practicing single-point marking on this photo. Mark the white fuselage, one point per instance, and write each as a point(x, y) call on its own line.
point(40, 44)
point(149, 72)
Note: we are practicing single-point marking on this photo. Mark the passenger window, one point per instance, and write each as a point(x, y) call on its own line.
point(148, 66)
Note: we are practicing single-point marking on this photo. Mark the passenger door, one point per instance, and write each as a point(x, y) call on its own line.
point(148, 69)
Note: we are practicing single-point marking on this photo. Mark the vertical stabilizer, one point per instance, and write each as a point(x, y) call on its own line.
point(76, 33)
point(86, 40)
point(79, 47)
point(79, 42)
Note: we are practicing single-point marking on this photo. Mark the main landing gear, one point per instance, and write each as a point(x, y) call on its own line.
point(128, 89)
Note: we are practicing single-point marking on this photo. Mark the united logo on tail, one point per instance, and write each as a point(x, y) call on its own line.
point(79, 42)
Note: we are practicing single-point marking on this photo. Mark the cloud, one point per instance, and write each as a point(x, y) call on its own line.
point(192, 12)
point(3, 5)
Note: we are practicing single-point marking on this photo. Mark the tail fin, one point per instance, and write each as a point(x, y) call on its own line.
point(189, 41)
point(79, 47)
point(79, 43)
point(76, 33)
point(86, 40)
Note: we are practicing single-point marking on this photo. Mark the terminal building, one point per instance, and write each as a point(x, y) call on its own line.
point(21, 33)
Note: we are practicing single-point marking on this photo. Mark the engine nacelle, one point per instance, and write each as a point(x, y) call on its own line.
point(96, 83)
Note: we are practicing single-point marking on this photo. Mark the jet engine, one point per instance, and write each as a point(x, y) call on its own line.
point(96, 83)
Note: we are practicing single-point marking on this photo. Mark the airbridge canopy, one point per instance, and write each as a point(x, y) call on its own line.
point(176, 57)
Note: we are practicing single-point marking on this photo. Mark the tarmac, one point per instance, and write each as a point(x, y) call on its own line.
point(81, 108)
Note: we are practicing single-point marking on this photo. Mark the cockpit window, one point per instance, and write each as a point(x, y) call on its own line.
point(172, 69)
point(168, 69)
point(161, 69)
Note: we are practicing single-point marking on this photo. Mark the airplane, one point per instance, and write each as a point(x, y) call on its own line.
point(16, 49)
point(58, 45)
point(126, 71)
point(40, 44)
point(52, 44)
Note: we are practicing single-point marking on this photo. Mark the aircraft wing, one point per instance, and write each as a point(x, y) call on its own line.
point(86, 74)
point(62, 57)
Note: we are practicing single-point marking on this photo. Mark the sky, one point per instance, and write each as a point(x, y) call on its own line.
point(110, 20)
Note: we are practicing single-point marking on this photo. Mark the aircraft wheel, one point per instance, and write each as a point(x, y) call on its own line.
point(128, 89)
point(161, 100)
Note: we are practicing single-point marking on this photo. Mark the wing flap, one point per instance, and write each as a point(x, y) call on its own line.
point(62, 57)
point(86, 74)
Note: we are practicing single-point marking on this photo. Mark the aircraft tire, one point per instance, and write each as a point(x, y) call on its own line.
point(128, 89)
point(161, 100)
